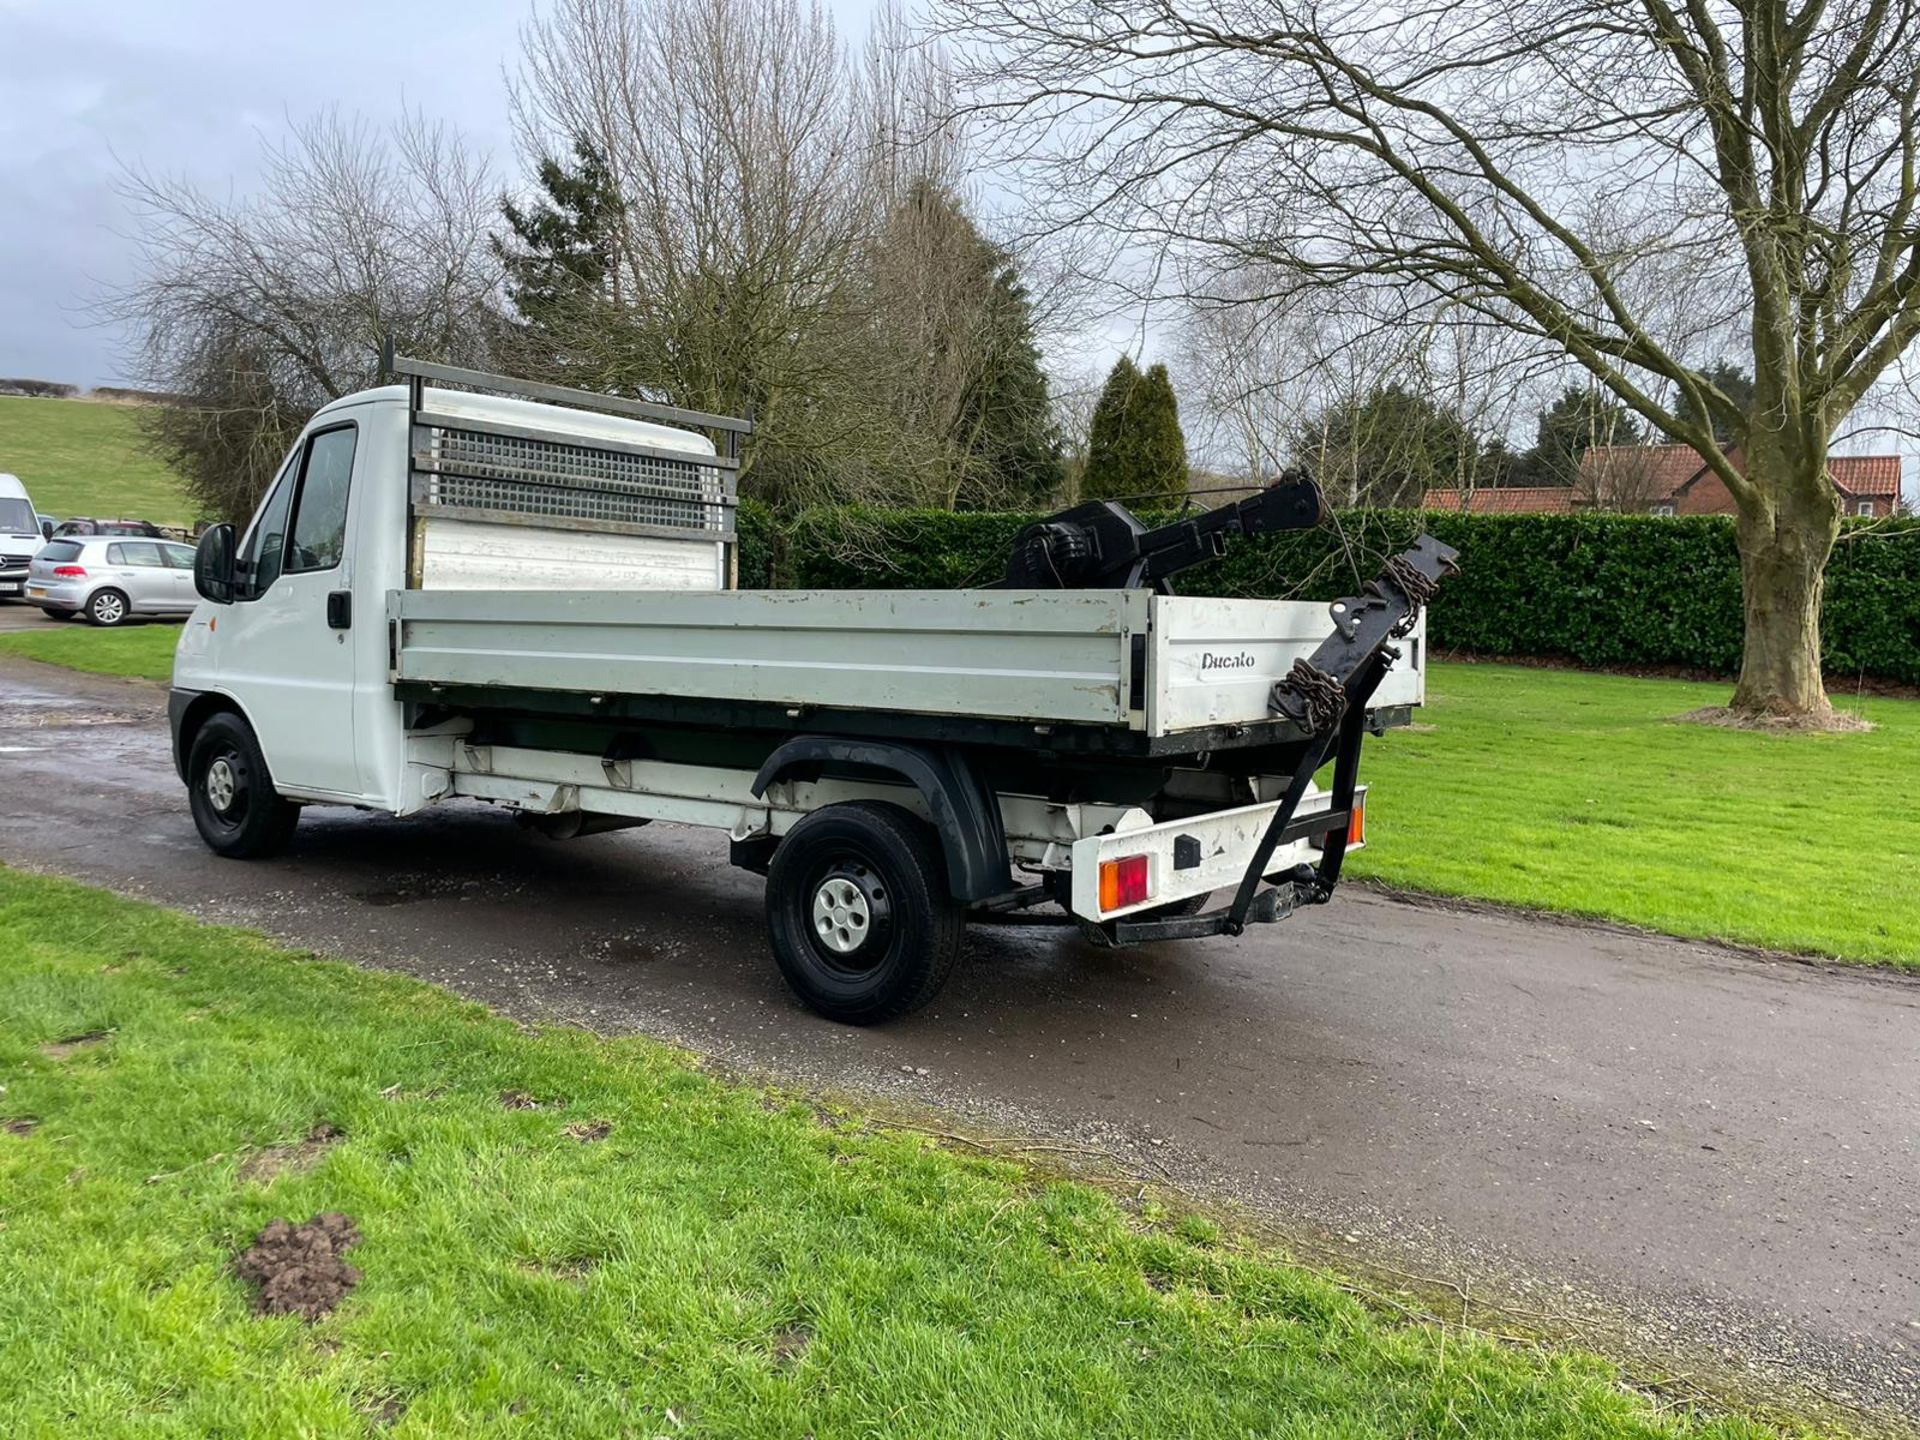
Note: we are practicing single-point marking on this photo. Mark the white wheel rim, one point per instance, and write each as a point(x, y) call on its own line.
point(108, 607)
point(220, 784)
point(840, 915)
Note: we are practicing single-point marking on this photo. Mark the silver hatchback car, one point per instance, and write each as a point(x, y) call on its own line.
point(109, 579)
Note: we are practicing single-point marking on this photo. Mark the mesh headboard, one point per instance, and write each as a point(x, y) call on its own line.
point(512, 475)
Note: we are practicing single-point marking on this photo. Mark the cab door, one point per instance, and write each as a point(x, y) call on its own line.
point(286, 657)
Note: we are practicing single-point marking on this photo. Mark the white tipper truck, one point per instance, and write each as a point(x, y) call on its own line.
point(464, 587)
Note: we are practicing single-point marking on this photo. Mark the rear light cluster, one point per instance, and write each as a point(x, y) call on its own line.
point(1356, 827)
point(1123, 882)
point(71, 572)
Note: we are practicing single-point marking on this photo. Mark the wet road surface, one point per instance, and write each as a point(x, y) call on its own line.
point(1709, 1156)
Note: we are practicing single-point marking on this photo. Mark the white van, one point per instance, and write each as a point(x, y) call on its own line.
point(20, 535)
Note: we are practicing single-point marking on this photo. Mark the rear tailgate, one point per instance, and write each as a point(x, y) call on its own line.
point(1215, 662)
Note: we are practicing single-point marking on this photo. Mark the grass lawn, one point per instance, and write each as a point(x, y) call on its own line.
point(570, 1236)
point(1575, 792)
point(84, 457)
point(145, 651)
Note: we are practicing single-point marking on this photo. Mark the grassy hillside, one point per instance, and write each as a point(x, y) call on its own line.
point(81, 457)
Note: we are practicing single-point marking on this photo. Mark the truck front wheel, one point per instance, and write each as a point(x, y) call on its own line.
point(235, 807)
point(859, 914)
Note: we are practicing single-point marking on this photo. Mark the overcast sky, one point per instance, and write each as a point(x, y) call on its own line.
point(188, 87)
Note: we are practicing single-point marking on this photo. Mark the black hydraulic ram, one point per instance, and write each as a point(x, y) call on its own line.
point(1326, 696)
point(1101, 546)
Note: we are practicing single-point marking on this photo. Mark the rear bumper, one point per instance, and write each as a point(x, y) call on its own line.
point(1204, 853)
point(61, 593)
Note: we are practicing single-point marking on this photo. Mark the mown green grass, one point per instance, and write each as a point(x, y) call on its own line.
point(84, 457)
point(721, 1264)
point(141, 650)
point(1579, 792)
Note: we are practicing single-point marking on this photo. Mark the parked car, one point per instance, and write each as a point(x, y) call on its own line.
point(110, 580)
point(86, 525)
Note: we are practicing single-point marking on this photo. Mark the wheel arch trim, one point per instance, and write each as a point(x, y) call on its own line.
point(965, 813)
point(188, 710)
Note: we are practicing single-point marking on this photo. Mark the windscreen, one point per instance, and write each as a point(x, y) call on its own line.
point(17, 516)
point(60, 550)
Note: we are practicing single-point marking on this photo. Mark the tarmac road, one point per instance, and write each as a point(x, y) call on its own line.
point(1710, 1156)
point(16, 615)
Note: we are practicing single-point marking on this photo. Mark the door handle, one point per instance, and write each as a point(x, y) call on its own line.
point(339, 609)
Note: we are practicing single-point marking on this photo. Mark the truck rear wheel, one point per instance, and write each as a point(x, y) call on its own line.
point(235, 807)
point(858, 912)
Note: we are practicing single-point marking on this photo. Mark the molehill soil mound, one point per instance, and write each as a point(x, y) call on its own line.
point(298, 1268)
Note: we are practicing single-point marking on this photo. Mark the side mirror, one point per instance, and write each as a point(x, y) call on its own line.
point(213, 565)
point(46, 529)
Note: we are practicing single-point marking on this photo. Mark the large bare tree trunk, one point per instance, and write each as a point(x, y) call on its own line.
point(1785, 532)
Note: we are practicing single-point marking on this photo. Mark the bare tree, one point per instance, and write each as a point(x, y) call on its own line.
point(788, 229)
point(1629, 181)
point(911, 130)
point(1266, 354)
point(1628, 479)
point(733, 135)
point(254, 312)
point(1269, 355)
point(950, 352)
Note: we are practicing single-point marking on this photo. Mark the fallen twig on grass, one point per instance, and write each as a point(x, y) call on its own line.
point(169, 1174)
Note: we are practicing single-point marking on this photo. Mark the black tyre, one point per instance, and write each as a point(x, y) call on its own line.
point(108, 607)
point(235, 807)
point(55, 612)
point(859, 914)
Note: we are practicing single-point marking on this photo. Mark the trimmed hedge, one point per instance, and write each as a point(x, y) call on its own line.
point(1608, 591)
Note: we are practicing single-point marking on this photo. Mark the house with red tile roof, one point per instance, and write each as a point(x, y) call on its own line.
point(1670, 480)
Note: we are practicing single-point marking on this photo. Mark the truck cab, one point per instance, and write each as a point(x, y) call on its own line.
point(301, 645)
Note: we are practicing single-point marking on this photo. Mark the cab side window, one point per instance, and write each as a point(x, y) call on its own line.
point(258, 564)
point(319, 534)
